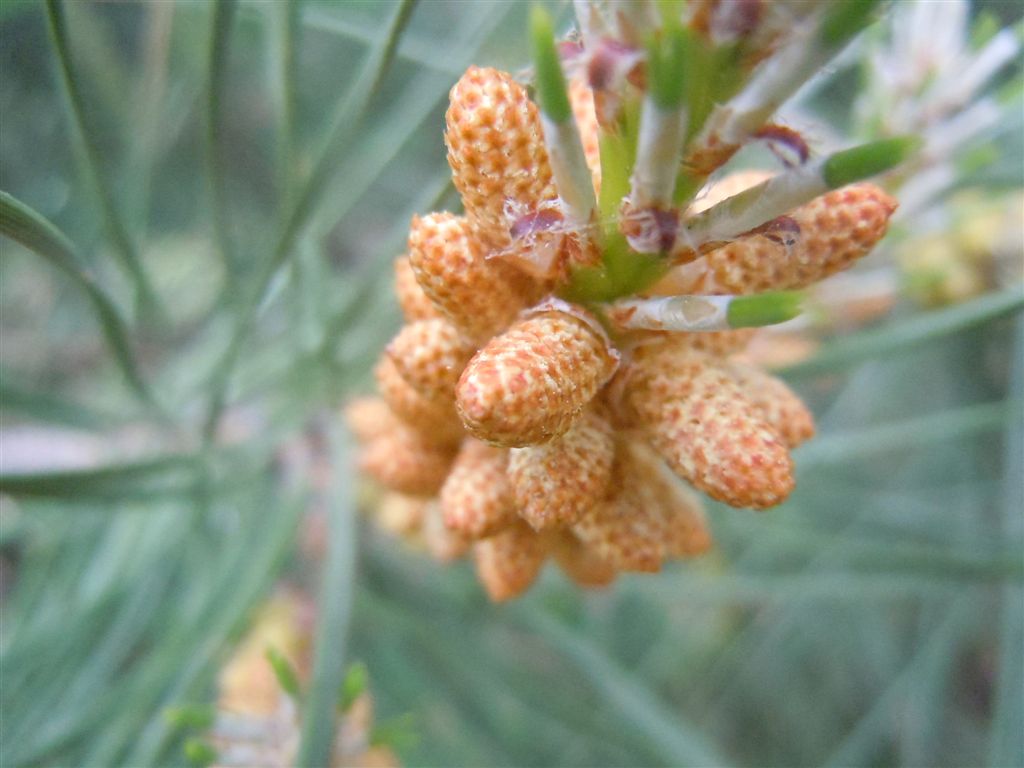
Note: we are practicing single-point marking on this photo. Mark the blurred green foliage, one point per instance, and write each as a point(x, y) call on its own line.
point(260, 162)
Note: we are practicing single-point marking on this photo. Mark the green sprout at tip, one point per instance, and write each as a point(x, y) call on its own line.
point(200, 753)
point(352, 687)
point(285, 673)
point(198, 716)
point(764, 309)
point(867, 160)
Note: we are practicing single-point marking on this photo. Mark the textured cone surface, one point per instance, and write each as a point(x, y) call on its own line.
point(405, 461)
point(685, 531)
point(508, 563)
point(713, 436)
point(435, 417)
point(415, 304)
point(658, 372)
point(714, 342)
point(441, 542)
point(778, 404)
point(476, 499)
point(531, 383)
point(835, 230)
point(580, 563)
point(555, 483)
point(430, 356)
point(697, 415)
point(623, 531)
point(496, 151)
point(777, 349)
point(627, 530)
point(480, 296)
point(369, 418)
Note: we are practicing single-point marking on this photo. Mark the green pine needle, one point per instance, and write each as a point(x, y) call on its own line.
point(666, 67)
point(26, 226)
point(868, 160)
point(845, 18)
point(550, 80)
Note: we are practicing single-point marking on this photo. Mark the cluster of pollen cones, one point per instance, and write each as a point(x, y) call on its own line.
point(519, 426)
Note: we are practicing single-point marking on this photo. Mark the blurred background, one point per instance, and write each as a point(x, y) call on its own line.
point(212, 195)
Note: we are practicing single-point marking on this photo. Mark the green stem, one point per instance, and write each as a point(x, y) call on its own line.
point(962, 423)
point(333, 610)
point(220, 38)
point(149, 113)
point(285, 31)
point(166, 476)
point(899, 337)
point(1006, 741)
point(679, 742)
point(126, 251)
point(348, 118)
point(24, 225)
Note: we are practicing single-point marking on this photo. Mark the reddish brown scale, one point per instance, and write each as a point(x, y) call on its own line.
point(650, 230)
point(782, 230)
point(785, 143)
point(706, 159)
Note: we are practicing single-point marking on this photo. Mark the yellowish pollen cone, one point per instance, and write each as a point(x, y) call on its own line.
point(480, 296)
point(487, 110)
point(509, 562)
point(555, 483)
point(430, 356)
point(415, 304)
point(405, 461)
point(530, 384)
point(476, 500)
